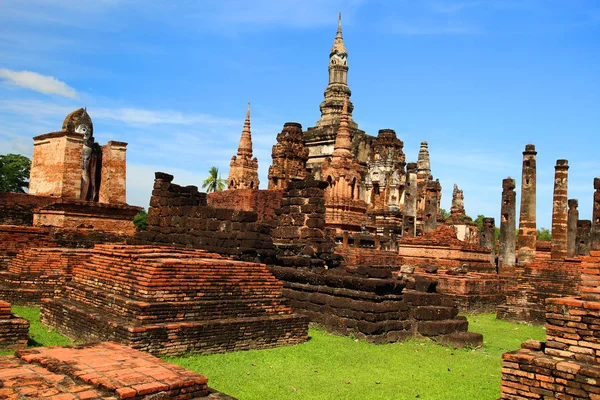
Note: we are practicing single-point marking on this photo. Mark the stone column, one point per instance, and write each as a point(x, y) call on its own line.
point(559, 211)
point(572, 218)
point(410, 201)
point(487, 237)
point(506, 254)
point(595, 230)
point(527, 218)
point(431, 201)
point(583, 237)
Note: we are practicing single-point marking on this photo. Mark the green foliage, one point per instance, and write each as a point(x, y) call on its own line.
point(444, 213)
point(14, 173)
point(544, 234)
point(334, 367)
point(141, 220)
point(479, 222)
point(39, 335)
point(214, 182)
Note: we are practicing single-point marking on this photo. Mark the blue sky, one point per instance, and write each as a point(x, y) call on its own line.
point(476, 79)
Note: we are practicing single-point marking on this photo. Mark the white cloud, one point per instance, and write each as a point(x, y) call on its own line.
point(37, 82)
point(137, 116)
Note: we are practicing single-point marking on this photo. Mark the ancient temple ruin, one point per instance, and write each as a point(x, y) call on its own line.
point(76, 183)
point(243, 170)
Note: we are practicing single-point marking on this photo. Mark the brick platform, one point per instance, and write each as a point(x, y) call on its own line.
point(472, 291)
point(442, 249)
point(567, 365)
point(14, 331)
point(169, 301)
point(99, 371)
point(39, 272)
point(373, 306)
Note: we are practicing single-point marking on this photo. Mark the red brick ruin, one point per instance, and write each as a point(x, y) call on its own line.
point(99, 371)
point(348, 236)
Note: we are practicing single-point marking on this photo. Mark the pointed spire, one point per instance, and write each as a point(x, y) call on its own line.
point(338, 43)
point(245, 147)
point(343, 141)
point(423, 160)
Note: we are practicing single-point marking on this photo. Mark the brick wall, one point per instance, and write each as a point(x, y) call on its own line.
point(262, 202)
point(16, 238)
point(39, 272)
point(180, 216)
point(113, 175)
point(78, 214)
point(533, 284)
point(18, 208)
point(14, 331)
point(56, 165)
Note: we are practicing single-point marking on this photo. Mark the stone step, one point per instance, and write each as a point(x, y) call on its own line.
point(434, 313)
point(437, 328)
point(459, 340)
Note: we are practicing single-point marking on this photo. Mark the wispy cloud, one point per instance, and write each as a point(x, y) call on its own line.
point(137, 116)
point(37, 82)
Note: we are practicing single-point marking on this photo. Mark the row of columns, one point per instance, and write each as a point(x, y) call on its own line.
point(570, 236)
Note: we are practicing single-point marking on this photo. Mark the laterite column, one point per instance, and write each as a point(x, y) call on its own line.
point(559, 210)
point(506, 255)
point(527, 218)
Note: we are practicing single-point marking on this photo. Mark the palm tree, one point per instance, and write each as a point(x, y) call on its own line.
point(214, 182)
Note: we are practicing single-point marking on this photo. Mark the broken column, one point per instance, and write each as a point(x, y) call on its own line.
point(527, 218)
point(559, 210)
point(583, 237)
point(487, 237)
point(410, 201)
point(506, 254)
point(595, 232)
point(431, 202)
point(572, 218)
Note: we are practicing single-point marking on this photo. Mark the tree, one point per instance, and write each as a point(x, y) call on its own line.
point(141, 220)
point(14, 173)
point(544, 234)
point(445, 214)
point(479, 222)
point(214, 182)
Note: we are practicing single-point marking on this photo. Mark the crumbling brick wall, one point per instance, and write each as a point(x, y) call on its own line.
point(35, 273)
point(181, 216)
point(566, 366)
point(14, 330)
point(16, 238)
point(536, 282)
point(262, 202)
point(18, 208)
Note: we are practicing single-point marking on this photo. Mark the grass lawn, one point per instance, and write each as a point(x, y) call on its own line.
point(334, 367)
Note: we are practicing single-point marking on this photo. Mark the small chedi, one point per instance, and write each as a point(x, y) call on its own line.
point(243, 170)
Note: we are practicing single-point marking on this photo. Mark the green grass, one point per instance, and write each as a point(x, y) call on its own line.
point(335, 367)
point(39, 335)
